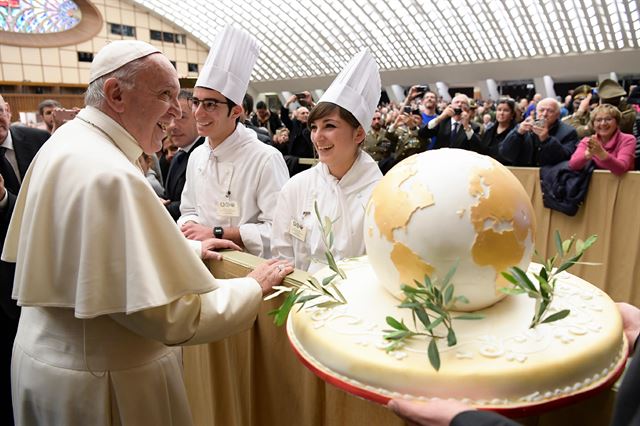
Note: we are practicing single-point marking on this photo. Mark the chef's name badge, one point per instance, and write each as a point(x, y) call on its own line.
point(228, 208)
point(297, 230)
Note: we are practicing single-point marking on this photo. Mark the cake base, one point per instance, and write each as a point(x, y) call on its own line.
point(499, 363)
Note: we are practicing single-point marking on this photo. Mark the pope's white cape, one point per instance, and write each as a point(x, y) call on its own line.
point(92, 235)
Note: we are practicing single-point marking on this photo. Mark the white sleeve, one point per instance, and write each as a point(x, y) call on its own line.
point(281, 239)
point(195, 319)
point(188, 198)
point(256, 236)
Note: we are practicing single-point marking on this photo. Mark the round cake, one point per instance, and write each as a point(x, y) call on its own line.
point(498, 363)
point(454, 210)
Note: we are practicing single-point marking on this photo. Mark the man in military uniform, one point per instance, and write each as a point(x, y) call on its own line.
point(403, 133)
point(373, 141)
point(581, 111)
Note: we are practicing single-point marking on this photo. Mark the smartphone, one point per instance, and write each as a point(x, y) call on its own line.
point(407, 110)
point(421, 90)
point(539, 122)
point(301, 95)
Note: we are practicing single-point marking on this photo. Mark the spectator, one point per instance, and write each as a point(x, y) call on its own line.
point(299, 145)
point(372, 141)
point(18, 147)
point(634, 102)
point(183, 136)
point(533, 105)
point(582, 100)
point(611, 93)
point(404, 135)
point(489, 143)
point(233, 179)
point(541, 139)
point(281, 140)
point(264, 118)
point(609, 148)
point(341, 184)
point(45, 108)
point(247, 106)
point(453, 128)
point(146, 162)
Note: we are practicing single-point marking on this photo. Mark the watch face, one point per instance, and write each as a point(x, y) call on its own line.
point(218, 232)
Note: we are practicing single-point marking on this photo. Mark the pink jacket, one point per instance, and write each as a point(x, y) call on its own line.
point(621, 148)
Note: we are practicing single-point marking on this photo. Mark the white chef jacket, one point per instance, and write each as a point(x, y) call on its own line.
point(243, 171)
point(342, 201)
point(105, 280)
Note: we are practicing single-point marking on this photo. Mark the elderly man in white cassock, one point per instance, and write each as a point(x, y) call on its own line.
point(233, 179)
point(106, 281)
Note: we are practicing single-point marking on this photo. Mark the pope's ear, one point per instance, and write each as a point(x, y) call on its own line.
point(113, 94)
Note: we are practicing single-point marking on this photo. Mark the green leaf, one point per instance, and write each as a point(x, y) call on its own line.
point(396, 324)
point(543, 273)
point(558, 240)
point(507, 276)
point(523, 279)
point(338, 293)
point(451, 338)
point(557, 316)
point(397, 334)
point(513, 291)
point(280, 314)
point(435, 308)
point(448, 295)
point(588, 243)
point(328, 279)
point(434, 355)
point(423, 317)
point(469, 316)
point(409, 305)
point(567, 244)
point(450, 274)
point(329, 304)
point(461, 299)
point(435, 323)
point(307, 297)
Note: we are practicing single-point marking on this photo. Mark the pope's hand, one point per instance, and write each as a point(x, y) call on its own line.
point(195, 231)
point(630, 321)
point(209, 247)
point(438, 412)
point(271, 273)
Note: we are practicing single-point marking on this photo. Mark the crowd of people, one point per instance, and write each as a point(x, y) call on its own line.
point(103, 290)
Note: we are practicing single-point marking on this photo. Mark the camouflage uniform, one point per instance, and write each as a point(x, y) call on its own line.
point(407, 142)
point(373, 144)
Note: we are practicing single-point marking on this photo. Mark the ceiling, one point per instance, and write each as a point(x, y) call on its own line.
point(306, 42)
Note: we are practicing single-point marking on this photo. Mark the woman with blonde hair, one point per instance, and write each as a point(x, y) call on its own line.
point(609, 148)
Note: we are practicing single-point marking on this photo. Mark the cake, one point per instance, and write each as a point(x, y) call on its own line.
point(499, 362)
point(447, 209)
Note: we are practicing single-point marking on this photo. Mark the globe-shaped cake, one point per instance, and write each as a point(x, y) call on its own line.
point(449, 207)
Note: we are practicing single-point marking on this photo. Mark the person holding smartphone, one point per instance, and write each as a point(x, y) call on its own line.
point(453, 128)
point(541, 139)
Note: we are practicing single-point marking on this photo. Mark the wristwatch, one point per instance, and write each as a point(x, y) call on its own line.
point(218, 232)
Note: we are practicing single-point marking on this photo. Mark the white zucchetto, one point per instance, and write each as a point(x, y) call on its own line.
point(357, 88)
point(229, 64)
point(117, 54)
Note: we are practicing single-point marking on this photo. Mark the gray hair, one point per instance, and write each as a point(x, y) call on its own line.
point(126, 76)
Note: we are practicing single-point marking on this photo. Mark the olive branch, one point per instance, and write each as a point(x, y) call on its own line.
point(430, 304)
point(544, 291)
point(301, 293)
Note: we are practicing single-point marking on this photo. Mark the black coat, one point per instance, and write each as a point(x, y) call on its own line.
point(527, 150)
point(176, 178)
point(442, 132)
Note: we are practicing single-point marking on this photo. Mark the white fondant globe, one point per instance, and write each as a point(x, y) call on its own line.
point(449, 206)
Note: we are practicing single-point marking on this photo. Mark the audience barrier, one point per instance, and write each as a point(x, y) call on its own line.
point(254, 379)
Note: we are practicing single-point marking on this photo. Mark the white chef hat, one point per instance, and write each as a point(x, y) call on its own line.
point(117, 54)
point(229, 64)
point(357, 88)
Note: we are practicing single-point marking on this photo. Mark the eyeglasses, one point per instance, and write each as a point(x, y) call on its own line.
point(604, 120)
point(209, 105)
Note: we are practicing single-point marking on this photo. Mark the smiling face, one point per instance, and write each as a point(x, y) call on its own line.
point(605, 121)
point(337, 142)
point(219, 123)
point(149, 105)
point(183, 129)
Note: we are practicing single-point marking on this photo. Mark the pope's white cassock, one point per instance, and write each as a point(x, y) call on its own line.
point(235, 184)
point(296, 234)
point(106, 281)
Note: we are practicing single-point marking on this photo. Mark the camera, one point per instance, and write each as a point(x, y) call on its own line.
point(301, 95)
point(421, 90)
point(539, 122)
point(407, 110)
point(457, 111)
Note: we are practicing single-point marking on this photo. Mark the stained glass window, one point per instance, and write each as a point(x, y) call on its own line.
point(38, 16)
